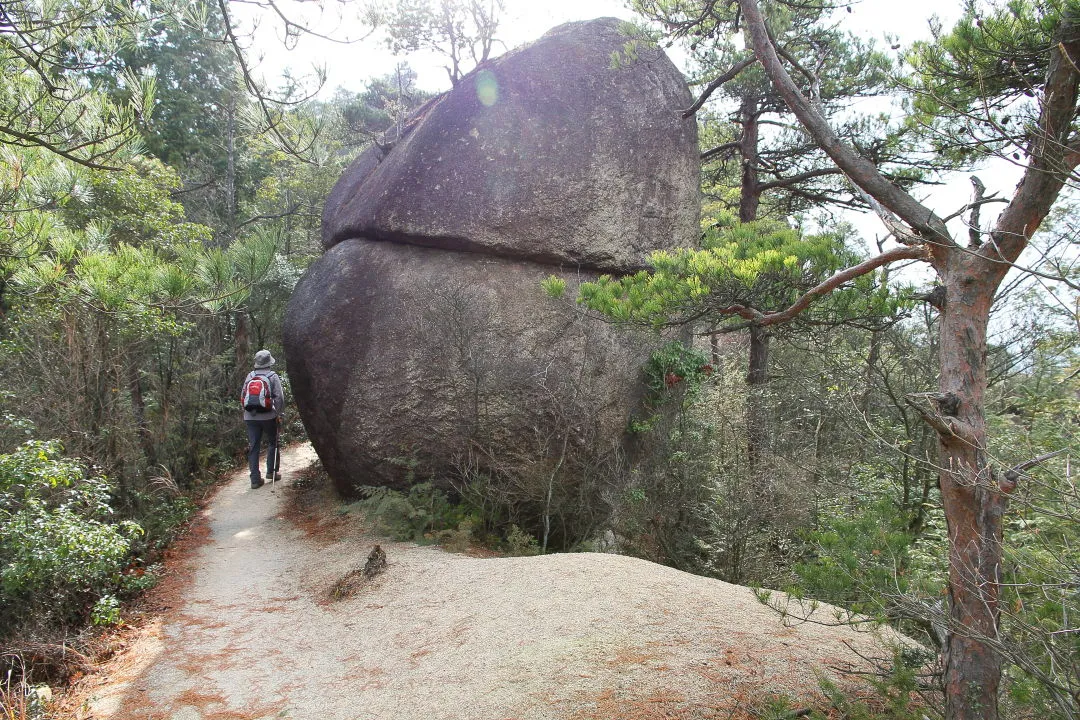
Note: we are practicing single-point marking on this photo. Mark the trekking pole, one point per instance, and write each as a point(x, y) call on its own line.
point(277, 454)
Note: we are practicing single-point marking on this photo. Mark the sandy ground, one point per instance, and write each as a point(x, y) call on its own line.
point(248, 632)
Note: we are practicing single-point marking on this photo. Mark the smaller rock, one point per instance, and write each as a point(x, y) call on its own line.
point(376, 562)
point(355, 580)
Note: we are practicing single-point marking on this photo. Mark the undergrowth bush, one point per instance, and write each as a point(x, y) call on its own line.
point(161, 518)
point(421, 514)
point(520, 543)
point(428, 514)
point(896, 692)
point(60, 553)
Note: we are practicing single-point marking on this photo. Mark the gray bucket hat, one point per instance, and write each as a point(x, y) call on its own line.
point(263, 359)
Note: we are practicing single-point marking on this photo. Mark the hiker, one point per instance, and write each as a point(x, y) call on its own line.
point(263, 401)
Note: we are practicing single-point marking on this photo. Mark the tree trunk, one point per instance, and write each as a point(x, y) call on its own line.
point(973, 502)
point(138, 408)
point(242, 346)
point(874, 354)
point(230, 170)
point(757, 374)
point(757, 379)
point(288, 222)
point(749, 191)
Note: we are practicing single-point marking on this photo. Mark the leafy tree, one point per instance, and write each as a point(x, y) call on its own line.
point(383, 107)
point(722, 287)
point(463, 31)
point(288, 199)
point(735, 516)
point(881, 547)
point(110, 296)
point(105, 305)
point(757, 162)
point(756, 149)
point(135, 208)
point(46, 50)
point(197, 123)
point(54, 125)
point(1032, 412)
point(1040, 608)
point(975, 493)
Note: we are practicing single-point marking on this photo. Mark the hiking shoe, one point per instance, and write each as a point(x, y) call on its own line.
point(256, 484)
point(277, 477)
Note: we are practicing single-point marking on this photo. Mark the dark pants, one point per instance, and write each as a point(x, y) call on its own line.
point(256, 429)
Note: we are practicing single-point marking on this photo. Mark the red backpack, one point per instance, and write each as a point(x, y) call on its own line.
point(257, 395)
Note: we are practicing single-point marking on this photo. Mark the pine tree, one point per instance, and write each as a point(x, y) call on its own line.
point(976, 63)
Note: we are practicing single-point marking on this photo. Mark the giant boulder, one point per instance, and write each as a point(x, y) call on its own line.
point(421, 345)
point(571, 151)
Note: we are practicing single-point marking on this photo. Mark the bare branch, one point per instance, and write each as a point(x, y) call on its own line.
point(254, 87)
point(795, 179)
point(1014, 473)
point(720, 150)
point(974, 234)
point(1053, 157)
point(972, 205)
point(66, 153)
point(715, 85)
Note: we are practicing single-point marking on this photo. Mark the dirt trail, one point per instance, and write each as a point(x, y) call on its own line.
point(443, 636)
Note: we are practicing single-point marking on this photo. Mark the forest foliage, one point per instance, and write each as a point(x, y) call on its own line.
point(154, 227)
point(158, 207)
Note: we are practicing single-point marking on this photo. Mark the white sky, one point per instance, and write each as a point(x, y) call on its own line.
point(351, 66)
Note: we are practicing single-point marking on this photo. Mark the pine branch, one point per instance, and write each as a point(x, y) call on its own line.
point(715, 85)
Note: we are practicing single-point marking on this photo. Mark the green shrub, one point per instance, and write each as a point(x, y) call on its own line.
point(59, 554)
point(860, 559)
point(459, 539)
point(106, 611)
point(897, 694)
point(675, 366)
point(520, 543)
point(161, 519)
point(425, 511)
point(140, 580)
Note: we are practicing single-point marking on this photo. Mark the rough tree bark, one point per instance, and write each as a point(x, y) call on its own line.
point(757, 412)
point(750, 193)
point(973, 504)
point(757, 374)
